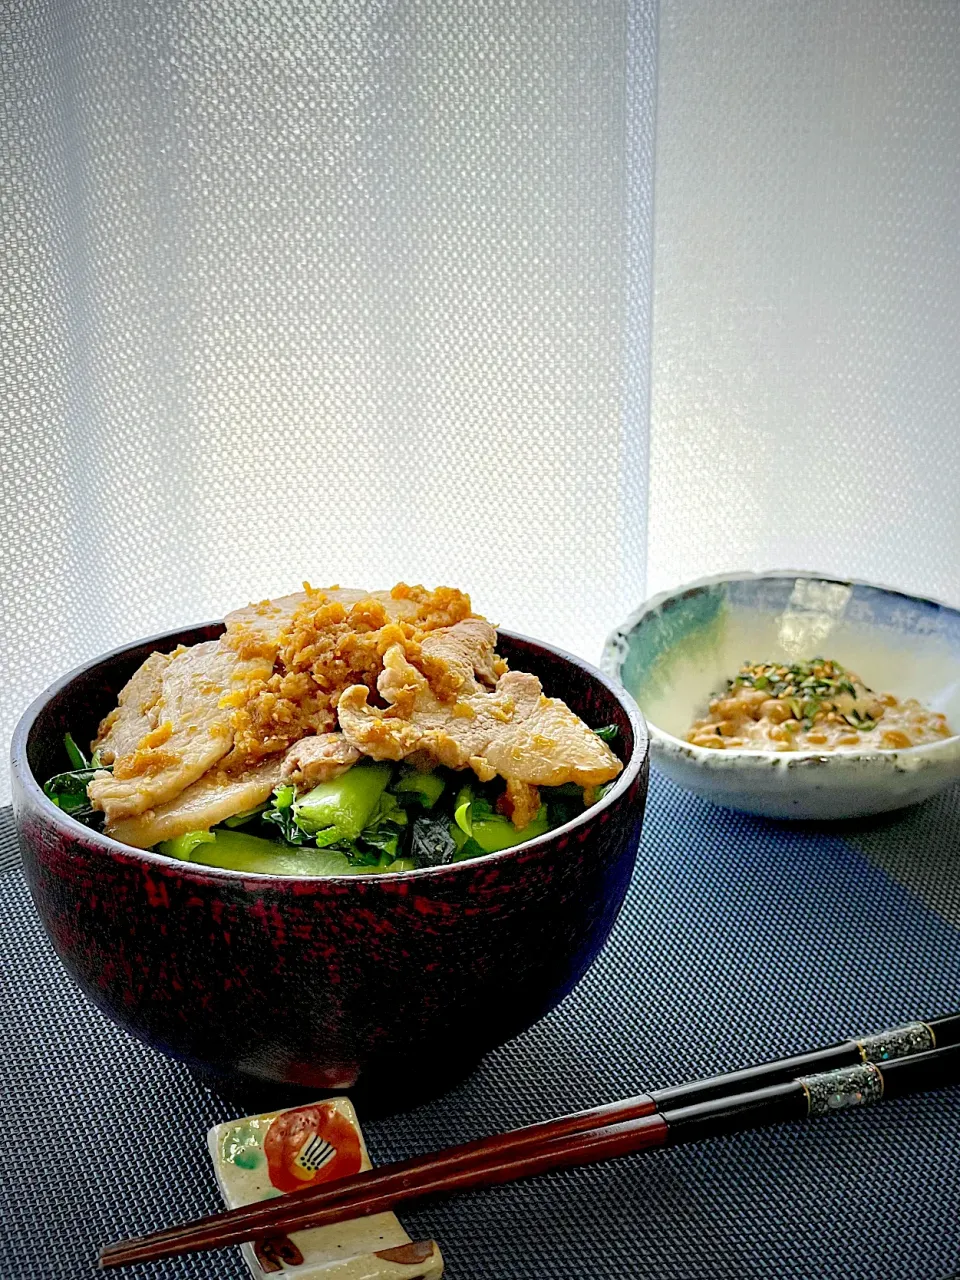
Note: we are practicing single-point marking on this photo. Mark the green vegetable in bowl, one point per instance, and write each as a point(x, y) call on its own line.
point(477, 824)
point(421, 788)
point(374, 818)
point(241, 819)
point(77, 758)
point(240, 851)
point(282, 815)
point(68, 790)
point(341, 808)
point(496, 832)
point(431, 843)
point(182, 847)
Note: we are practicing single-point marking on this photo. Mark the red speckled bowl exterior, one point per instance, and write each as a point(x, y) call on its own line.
point(326, 982)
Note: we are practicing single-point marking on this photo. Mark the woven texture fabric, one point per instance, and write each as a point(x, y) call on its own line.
point(740, 939)
point(806, 389)
point(326, 289)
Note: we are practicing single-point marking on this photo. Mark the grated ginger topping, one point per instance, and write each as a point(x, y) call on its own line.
point(327, 646)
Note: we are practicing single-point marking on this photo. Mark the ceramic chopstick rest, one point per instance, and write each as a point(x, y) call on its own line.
point(261, 1157)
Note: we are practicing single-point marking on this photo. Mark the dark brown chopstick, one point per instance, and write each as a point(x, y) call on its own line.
point(574, 1149)
point(759, 1095)
point(397, 1177)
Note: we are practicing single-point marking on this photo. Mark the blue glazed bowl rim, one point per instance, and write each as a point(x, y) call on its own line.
point(614, 653)
point(70, 829)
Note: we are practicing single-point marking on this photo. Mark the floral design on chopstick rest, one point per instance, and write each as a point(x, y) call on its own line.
point(915, 1037)
point(261, 1157)
point(306, 1145)
point(832, 1091)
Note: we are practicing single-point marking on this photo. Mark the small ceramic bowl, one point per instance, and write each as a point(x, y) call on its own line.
point(393, 983)
point(683, 645)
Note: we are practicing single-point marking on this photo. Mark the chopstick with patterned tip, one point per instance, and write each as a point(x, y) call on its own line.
point(853, 1073)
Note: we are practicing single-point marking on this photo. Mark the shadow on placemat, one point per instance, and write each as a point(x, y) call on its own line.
point(740, 939)
point(920, 847)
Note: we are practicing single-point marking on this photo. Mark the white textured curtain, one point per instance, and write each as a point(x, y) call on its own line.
point(359, 291)
point(806, 351)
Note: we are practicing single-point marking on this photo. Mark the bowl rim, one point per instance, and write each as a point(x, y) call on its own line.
point(71, 828)
point(613, 655)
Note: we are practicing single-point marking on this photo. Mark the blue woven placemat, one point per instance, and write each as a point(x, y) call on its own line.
point(741, 939)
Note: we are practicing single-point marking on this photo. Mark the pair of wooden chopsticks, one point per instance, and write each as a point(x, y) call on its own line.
point(917, 1057)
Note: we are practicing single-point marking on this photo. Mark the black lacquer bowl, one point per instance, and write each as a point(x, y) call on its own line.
point(326, 982)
